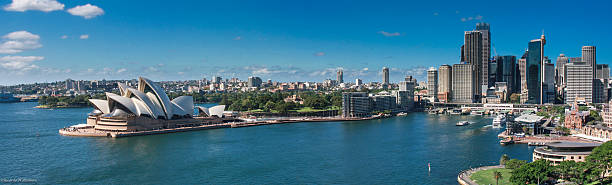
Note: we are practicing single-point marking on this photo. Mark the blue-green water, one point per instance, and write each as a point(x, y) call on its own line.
point(389, 151)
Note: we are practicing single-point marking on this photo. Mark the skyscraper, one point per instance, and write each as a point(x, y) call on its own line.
point(485, 31)
point(432, 83)
point(358, 82)
point(254, 81)
point(445, 80)
point(548, 82)
point(340, 76)
point(560, 72)
point(589, 57)
point(464, 85)
point(535, 71)
point(522, 67)
point(505, 71)
point(385, 75)
point(473, 55)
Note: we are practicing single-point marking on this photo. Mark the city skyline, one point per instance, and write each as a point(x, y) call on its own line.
point(106, 40)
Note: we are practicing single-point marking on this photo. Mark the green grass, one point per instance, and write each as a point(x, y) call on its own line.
point(310, 109)
point(486, 176)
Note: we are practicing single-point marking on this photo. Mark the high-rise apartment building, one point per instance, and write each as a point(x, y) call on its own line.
point(254, 81)
point(473, 56)
point(385, 75)
point(445, 80)
point(340, 76)
point(485, 30)
point(463, 83)
point(432, 83)
point(358, 82)
point(579, 82)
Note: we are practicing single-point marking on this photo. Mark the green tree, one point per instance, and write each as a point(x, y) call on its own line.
point(534, 172)
point(498, 176)
point(515, 164)
point(568, 170)
point(503, 159)
point(269, 106)
point(600, 160)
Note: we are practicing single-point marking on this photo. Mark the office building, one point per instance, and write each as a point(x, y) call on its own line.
point(432, 83)
point(560, 70)
point(385, 75)
point(505, 71)
point(589, 57)
point(216, 79)
point(340, 76)
point(549, 82)
point(522, 66)
point(358, 82)
point(579, 82)
point(603, 71)
point(445, 80)
point(463, 83)
point(485, 30)
point(473, 56)
point(535, 71)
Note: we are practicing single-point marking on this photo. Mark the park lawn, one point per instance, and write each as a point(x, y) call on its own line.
point(308, 109)
point(486, 176)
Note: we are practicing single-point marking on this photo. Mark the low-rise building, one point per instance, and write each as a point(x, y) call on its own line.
point(558, 152)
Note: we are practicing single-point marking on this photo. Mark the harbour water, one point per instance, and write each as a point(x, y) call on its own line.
point(388, 151)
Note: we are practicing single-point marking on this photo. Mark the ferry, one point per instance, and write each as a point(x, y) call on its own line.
point(456, 112)
point(462, 123)
point(401, 114)
point(499, 121)
point(506, 141)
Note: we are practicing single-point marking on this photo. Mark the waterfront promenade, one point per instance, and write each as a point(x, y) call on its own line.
point(89, 131)
point(464, 176)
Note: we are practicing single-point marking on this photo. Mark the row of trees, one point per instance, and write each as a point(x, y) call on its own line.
point(71, 101)
point(592, 170)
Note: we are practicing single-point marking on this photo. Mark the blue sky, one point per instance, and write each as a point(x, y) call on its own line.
point(278, 40)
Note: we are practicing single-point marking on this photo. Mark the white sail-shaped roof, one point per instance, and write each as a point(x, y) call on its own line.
point(101, 105)
point(154, 108)
point(203, 110)
point(149, 99)
point(159, 93)
point(217, 110)
point(126, 102)
point(184, 104)
point(123, 89)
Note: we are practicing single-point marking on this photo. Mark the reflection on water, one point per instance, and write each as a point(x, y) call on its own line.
point(389, 151)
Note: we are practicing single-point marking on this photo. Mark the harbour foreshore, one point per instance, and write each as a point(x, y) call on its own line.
point(464, 176)
point(91, 132)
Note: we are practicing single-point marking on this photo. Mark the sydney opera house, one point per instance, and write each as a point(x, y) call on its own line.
point(148, 108)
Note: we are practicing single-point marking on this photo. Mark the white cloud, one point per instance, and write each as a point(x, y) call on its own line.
point(319, 54)
point(84, 36)
point(64, 37)
point(20, 63)
point(238, 38)
point(87, 11)
point(42, 5)
point(389, 34)
point(121, 70)
point(19, 41)
point(477, 17)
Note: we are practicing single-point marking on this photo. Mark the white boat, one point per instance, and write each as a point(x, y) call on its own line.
point(499, 121)
point(462, 123)
point(401, 114)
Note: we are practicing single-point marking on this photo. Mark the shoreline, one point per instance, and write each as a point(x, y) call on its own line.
point(89, 131)
point(464, 176)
